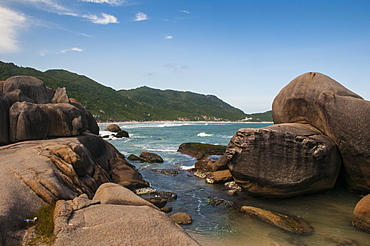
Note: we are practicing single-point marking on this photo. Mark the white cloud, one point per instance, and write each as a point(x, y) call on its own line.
point(51, 6)
point(54, 7)
point(141, 16)
point(185, 11)
point(110, 2)
point(71, 49)
point(169, 37)
point(10, 23)
point(105, 19)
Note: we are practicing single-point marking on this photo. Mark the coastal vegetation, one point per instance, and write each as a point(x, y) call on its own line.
point(44, 226)
point(140, 104)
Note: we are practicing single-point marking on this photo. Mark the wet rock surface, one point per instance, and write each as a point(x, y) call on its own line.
point(283, 221)
point(361, 214)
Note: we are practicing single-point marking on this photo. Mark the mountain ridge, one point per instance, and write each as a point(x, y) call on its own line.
point(139, 104)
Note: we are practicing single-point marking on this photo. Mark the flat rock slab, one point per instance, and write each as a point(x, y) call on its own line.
point(108, 224)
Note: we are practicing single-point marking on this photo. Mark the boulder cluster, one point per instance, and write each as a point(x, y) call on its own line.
point(50, 154)
point(320, 134)
point(320, 127)
point(30, 110)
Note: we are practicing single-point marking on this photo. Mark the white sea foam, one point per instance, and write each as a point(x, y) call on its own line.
point(104, 133)
point(203, 134)
point(170, 124)
point(162, 150)
point(186, 167)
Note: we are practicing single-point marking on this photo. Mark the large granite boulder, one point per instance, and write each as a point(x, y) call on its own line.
point(361, 214)
point(37, 121)
point(122, 173)
point(4, 118)
point(92, 126)
point(43, 171)
point(27, 121)
point(34, 111)
point(27, 88)
point(283, 160)
point(342, 115)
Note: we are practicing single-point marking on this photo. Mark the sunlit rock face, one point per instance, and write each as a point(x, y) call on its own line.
point(283, 160)
point(342, 115)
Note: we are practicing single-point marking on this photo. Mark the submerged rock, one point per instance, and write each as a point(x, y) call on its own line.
point(216, 201)
point(169, 172)
point(285, 222)
point(361, 214)
point(283, 160)
point(339, 113)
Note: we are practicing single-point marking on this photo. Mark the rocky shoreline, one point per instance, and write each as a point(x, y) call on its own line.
point(51, 154)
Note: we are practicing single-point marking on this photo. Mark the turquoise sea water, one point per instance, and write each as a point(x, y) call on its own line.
point(330, 213)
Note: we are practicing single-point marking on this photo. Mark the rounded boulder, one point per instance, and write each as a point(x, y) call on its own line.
point(283, 160)
point(342, 115)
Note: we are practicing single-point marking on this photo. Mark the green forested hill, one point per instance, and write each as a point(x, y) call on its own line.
point(143, 103)
point(258, 117)
point(172, 105)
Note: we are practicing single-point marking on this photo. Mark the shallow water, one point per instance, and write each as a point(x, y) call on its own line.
point(330, 213)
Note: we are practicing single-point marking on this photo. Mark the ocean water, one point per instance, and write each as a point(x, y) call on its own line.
point(330, 213)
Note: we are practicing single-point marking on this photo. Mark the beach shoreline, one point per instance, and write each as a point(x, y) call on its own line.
point(176, 121)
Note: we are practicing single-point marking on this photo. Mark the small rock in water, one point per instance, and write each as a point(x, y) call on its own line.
point(233, 186)
point(181, 218)
point(169, 196)
point(157, 201)
point(168, 172)
point(133, 157)
point(231, 192)
point(151, 157)
point(146, 190)
point(113, 128)
point(216, 201)
point(167, 209)
point(122, 134)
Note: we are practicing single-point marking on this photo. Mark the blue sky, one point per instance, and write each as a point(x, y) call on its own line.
point(243, 51)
